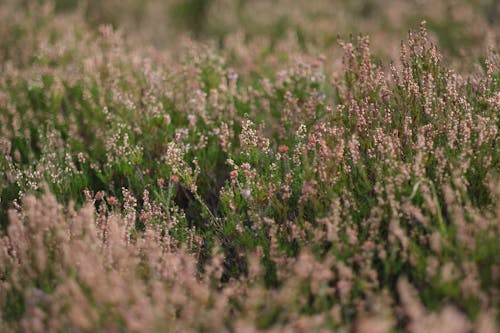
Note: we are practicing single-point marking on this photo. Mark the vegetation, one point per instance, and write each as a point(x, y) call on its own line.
point(268, 174)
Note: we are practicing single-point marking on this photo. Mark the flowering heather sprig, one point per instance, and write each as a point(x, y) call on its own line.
point(119, 148)
point(248, 137)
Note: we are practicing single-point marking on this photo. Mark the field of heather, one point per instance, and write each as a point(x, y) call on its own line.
point(250, 166)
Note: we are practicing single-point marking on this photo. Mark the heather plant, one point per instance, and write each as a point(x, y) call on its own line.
point(248, 186)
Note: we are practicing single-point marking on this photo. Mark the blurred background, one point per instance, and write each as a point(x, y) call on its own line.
point(462, 28)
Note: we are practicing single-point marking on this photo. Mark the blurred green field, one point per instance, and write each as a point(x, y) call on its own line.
point(462, 27)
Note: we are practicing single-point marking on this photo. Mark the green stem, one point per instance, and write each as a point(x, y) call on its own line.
point(442, 225)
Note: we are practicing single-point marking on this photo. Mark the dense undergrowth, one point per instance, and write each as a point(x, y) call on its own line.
point(148, 191)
